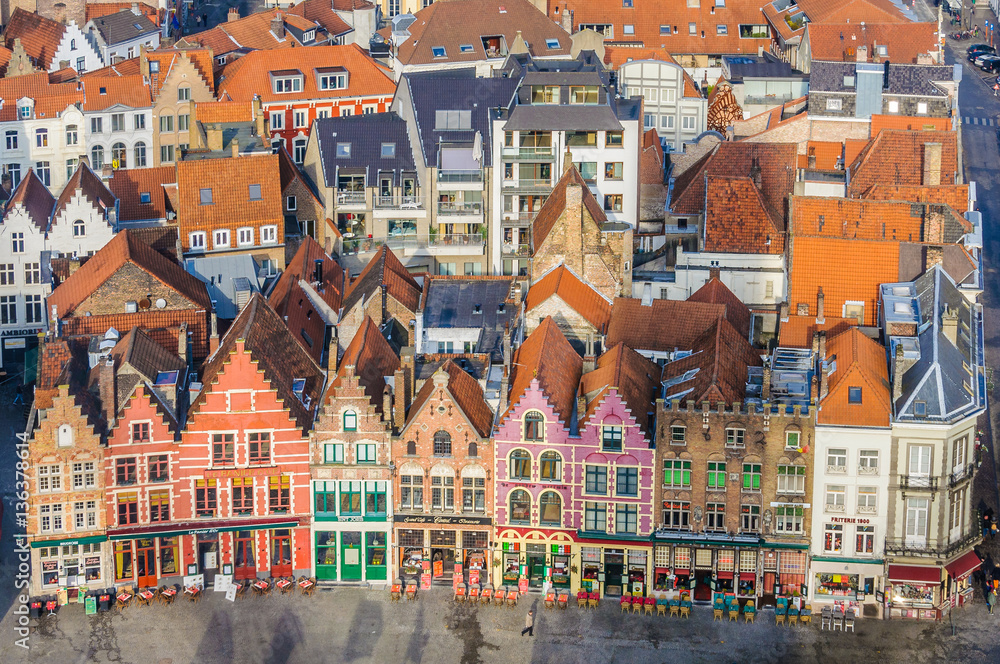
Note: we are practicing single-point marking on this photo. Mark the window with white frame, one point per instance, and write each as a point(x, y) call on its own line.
point(836, 460)
point(220, 239)
point(299, 150)
point(268, 234)
point(793, 440)
point(50, 518)
point(336, 81)
point(277, 120)
point(244, 236)
point(678, 434)
point(791, 479)
point(833, 538)
point(867, 500)
point(735, 437)
point(291, 204)
point(864, 540)
point(49, 478)
point(84, 475)
point(285, 84)
point(789, 518)
point(17, 243)
point(196, 240)
point(300, 118)
point(689, 122)
point(836, 497)
point(85, 515)
point(868, 462)
point(11, 140)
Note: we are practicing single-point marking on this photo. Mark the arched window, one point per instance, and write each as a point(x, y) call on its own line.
point(534, 426)
point(350, 420)
point(119, 155)
point(550, 509)
point(442, 444)
point(551, 466)
point(520, 506)
point(140, 155)
point(97, 157)
point(411, 448)
point(473, 449)
point(520, 465)
point(79, 228)
point(65, 435)
point(611, 434)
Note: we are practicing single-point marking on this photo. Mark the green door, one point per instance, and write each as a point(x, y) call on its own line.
point(375, 561)
point(326, 555)
point(350, 556)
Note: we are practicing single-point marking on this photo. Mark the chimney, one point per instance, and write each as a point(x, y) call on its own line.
point(574, 226)
point(784, 312)
point(567, 161)
point(590, 357)
point(815, 345)
point(504, 380)
point(278, 26)
point(108, 392)
point(822, 345)
point(862, 54)
point(398, 413)
point(812, 158)
point(387, 409)
point(820, 319)
point(135, 9)
point(949, 324)
point(234, 145)
point(182, 342)
point(885, 75)
point(566, 20)
point(213, 340)
point(765, 391)
point(714, 273)
point(258, 118)
point(506, 344)
point(234, 15)
point(897, 374)
point(934, 255)
point(932, 164)
point(824, 383)
point(407, 363)
point(331, 357)
point(581, 405)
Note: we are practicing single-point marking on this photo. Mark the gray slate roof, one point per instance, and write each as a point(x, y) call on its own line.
point(938, 377)
point(451, 303)
point(903, 79)
point(224, 276)
point(451, 91)
point(123, 26)
point(366, 134)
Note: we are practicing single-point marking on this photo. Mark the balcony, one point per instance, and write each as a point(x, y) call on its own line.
point(899, 546)
point(961, 475)
point(399, 202)
point(529, 153)
point(918, 483)
point(460, 180)
point(516, 250)
point(528, 184)
point(412, 245)
point(834, 509)
point(519, 219)
point(836, 470)
point(867, 509)
point(459, 209)
point(871, 471)
point(346, 197)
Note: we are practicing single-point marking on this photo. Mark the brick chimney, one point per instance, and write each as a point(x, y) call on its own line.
point(400, 403)
point(566, 20)
point(897, 374)
point(182, 342)
point(213, 340)
point(581, 405)
point(862, 54)
point(574, 226)
point(234, 15)
point(278, 26)
point(714, 273)
point(504, 396)
point(932, 164)
point(234, 145)
point(822, 344)
point(589, 357)
point(108, 390)
point(765, 391)
point(784, 312)
point(820, 319)
point(387, 409)
point(331, 357)
point(933, 255)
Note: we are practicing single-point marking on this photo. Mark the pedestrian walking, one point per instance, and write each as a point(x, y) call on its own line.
point(991, 601)
point(529, 624)
point(993, 530)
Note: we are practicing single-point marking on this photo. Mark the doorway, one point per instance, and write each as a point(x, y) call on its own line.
point(245, 562)
point(208, 555)
point(703, 587)
point(145, 563)
point(536, 569)
point(614, 568)
point(281, 552)
point(350, 556)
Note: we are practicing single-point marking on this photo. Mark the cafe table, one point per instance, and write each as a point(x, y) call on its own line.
point(193, 593)
point(167, 595)
point(284, 585)
point(123, 601)
point(146, 596)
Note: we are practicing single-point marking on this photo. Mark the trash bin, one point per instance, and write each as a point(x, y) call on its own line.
point(35, 608)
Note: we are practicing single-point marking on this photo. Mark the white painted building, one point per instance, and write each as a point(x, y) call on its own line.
point(76, 51)
point(122, 35)
point(85, 216)
point(118, 122)
point(672, 103)
point(756, 279)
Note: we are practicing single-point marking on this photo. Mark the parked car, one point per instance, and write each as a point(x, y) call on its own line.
point(976, 47)
point(981, 49)
point(986, 62)
point(991, 65)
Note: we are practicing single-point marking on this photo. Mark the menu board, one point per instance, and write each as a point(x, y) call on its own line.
point(425, 581)
point(473, 577)
point(91, 605)
point(522, 585)
point(438, 568)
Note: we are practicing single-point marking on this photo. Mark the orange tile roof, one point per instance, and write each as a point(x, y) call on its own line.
point(224, 111)
point(663, 325)
point(229, 179)
point(647, 19)
point(853, 218)
point(373, 360)
point(35, 198)
point(828, 155)
point(5, 54)
point(50, 98)
point(64, 75)
point(102, 93)
point(465, 391)
point(846, 270)
point(128, 184)
point(616, 56)
point(324, 13)
point(53, 363)
point(880, 122)
point(904, 41)
point(896, 156)
point(860, 362)
point(39, 36)
point(716, 292)
point(384, 268)
point(635, 378)
point(954, 195)
point(254, 32)
point(737, 219)
point(852, 148)
point(250, 75)
point(547, 356)
point(128, 67)
point(201, 58)
point(555, 205)
point(720, 358)
point(124, 248)
point(797, 331)
point(870, 11)
point(99, 9)
point(778, 20)
point(578, 295)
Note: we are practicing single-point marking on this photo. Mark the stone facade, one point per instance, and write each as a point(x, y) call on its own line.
point(575, 327)
point(350, 321)
point(168, 103)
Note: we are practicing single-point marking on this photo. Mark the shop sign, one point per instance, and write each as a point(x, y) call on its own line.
point(847, 519)
point(20, 332)
point(438, 568)
point(14, 344)
point(443, 520)
point(350, 518)
point(879, 596)
point(92, 562)
point(49, 566)
point(425, 581)
point(204, 531)
point(229, 473)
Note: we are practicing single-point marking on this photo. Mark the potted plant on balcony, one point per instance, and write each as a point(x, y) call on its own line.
point(432, 234)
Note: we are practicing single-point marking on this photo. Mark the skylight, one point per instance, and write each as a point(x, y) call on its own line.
point(552, 43)
point(438, 51)
point(465, 48)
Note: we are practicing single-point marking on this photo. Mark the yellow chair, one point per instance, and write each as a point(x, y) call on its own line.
point(748, 616)
point(716, 615)
point(674, 610)
point(779, 619)
point(686, 612)
point(734, 613)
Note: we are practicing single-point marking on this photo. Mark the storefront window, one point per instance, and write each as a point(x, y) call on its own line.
point(123, 561)
point(837, 585)
point(375, 498)
point(511, 567)
point(326, 555)
point(281, 549)
point(92, 564)
point(560, 571)
point(591, 562)
point(50, 565)
point(913, 594)
point(375, 549)
point(791, 571)
point(168, 556)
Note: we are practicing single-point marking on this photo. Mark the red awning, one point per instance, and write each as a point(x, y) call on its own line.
point(747, 576)
point(916, 574)
point(724, 575)
point(964, 565)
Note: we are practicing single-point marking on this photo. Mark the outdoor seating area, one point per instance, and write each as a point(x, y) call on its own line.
point(834, 618)
point(791, 614)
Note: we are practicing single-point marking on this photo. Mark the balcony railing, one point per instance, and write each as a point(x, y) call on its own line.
point(836, 470)
point(446, 209)
point(529, 152)
point(516, 250)
point(867, 470)
point(904, 547)
point(474, 175)
point(867, 509)
point(413, 242)
point(345, 197)
point(833, 509)
point(962, 474)
point(519, 219)
point(528, 183)
point(918, 483)
point(400, 202)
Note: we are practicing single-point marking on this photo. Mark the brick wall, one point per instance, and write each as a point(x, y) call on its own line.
point(574, 326)
point(130, 283)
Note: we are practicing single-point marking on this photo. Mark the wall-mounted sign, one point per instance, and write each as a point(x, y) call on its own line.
point(443, 520)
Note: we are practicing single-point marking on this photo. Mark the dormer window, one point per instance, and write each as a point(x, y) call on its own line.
point(438, 51)
point(331, 78)
point(545, 94)
point(551, 43)
point(289, 80)
point(308, 35)
point(299, 388)
point(24, 111)
point(579, 94)
point(344, 150)
point(154, 66)
point(495, 46)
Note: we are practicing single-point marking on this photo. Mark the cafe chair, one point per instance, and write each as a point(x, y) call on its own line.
point(838, 620)
point(592, 600)
point(648, 605)
point(511, 599)
point(550, 600)
point(309, 586)
point(460, 592)
point(826, 618)
point(395, 592)
point(749, 612)
point(686, 609)
point(500, 597)
point(779, 618)
point(637, 601)
point(793, 616)
point(581, 599)
point(805, 615)
point(849, 620)
point(487, 595)
point(563, 601)
point(734, 611)
point(675, 607)
point(411, 592)
point(717, 610)
point(625, 602)
point(473, 594)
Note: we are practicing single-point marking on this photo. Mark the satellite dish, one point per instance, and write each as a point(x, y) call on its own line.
point(161, 303)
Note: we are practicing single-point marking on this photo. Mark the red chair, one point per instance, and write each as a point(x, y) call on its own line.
point(637, 603)
point(499, 597)
point(592, 600)
point(625, 603)
point(550, 600)
point(581, 599)
point(474, 594)
point(649, 605)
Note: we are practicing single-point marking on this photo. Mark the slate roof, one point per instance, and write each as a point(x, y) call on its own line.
point(737, 219)
point(452, 302)
point(904, 41)
point(546, 356)
point(465, 391)
point(716, 292)
point(161, 238)
point(663, 325)
point(365, 134)
point(860, 362)
point(39, 36)
point(277, 355)
point(577, 294)
point(35, 199)
point(124, 248)
point(896, 157)
point(567, 117)
point(446, 91)
point(225, 276)
point(716, 370)
point(634, 378)
point(555, 205)
point(373, 360)
point(128, 184)
point(90, 185)
point(458, 23)
point(904, 79)
point(385, 269)
point(123, 26)
point(146, 357)
point(938, 377)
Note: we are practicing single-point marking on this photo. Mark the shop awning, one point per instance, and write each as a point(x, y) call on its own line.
point(724, 575)
point(199, 527)
point(964, 565)
point(917, 574)
point(69, 541)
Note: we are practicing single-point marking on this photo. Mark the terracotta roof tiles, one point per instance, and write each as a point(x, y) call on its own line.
point(822, 155)
point(224, 111)
point(90, 185)
point(737, 219)
point(50, 98)
point(797, 331)
point(908, 122)
point(39, 36)
point(662, 325)
point(325, 14)
point(719, 361)
point(384, 268)
point(103, 93)
point(954, 195)
point(35, 199)
point(555, 205)
point(373, 360)
point(577, 294)
point(903, 41)
point(465, 391)
point(860, 363)
point(870, 11)
point(546, 356)
point(896, 157)
point(716, 292)
point(129, 185)
point(635, 379)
